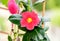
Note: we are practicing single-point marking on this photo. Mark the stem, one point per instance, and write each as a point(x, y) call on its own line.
point(12, 25)
point(30, 2)
point(29, 5)
point(20, 34)
point(3, 32)
point(43, 11)
point(3, 8)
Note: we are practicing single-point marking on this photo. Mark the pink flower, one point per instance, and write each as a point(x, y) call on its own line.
point(29, 20)
point(12, 6)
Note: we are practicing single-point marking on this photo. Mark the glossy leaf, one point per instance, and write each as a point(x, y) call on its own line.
point(9, 38)
point(39, 1)
point(22, 28)
point(34, 35)
point(47, 37)
point(46, 28)
point(39, 5)
point(27, 7)
point(15, 19)
point(26, 37)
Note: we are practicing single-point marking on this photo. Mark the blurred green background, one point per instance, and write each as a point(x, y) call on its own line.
point(53, 9)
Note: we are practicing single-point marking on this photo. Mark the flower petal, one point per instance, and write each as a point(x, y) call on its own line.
point(35, 20)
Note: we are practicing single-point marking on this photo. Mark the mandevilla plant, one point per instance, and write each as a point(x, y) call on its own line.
point(27, 20)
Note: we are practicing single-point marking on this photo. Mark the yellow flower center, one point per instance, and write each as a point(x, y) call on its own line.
point(29, 20)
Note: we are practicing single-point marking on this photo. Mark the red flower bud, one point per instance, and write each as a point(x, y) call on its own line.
point(12, 6)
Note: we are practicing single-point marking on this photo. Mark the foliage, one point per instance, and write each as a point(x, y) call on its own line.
point(9, 38)
point(38, 33)
point(15, 19)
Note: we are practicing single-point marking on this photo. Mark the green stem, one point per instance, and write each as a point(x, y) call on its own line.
point(20, 34)
point(29, 5)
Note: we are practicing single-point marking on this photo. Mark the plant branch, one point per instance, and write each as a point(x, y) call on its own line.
point(29, 5)
point(3, 32)
point(43, 11)
point(3, 8)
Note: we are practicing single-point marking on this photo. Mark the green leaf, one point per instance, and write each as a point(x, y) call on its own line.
point(20, 34)
point(39, 5)
point(4, 2)
point(39, 1)
point(26, 37)
point(40, 30)
point(30, 36)
point(9, 38)
point(46, 28)
point(42, 19)
point(27, 7)
point(15, 34)
point(24, 4)
point(22, 28)
point(46, 37)
point(35, 35)
point(15, 19)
